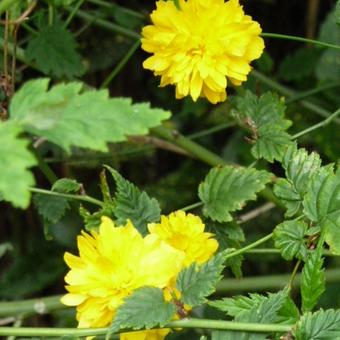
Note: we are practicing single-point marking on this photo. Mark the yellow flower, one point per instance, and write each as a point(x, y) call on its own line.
point(186, 233)
point(200, 45)
point(111, 265)
point(154, 334)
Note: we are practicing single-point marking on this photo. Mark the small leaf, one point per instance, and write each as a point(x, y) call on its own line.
point(131, 203)
point(145, 308)
point(90, 119)
point(66, 186)
point(15, 160)
point(289, 237)
point(299, 167)
point(264, 117)
point(226, 189)
point(54, 50)
point(4, 248)
point(196, 282)
point(322, 204)
point(323, 324)
point(312, 280)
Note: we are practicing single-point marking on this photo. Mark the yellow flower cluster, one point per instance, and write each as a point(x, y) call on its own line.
point(115, 261)
point(200, 45)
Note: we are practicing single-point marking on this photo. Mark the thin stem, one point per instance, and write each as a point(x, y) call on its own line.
point(210, 131)
point(73, 13)
point(300, 39)
point(294, 273)
point(121, 64)
point(184, 323)
point(107, 24)
point(311, 92)
point(83, 198)
point(290, 93)
point(45, 168)
point(192, 206)
point(318, 125)
point(249, 246)
point(50, 14)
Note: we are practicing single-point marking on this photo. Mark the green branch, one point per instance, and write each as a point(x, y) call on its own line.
point(300, 39)
point(83, 198)
point(185, 323)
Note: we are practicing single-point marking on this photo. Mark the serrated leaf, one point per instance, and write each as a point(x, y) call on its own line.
point(51, 208)
point(145, 308)
point(299, 167)
point(15, 160)
point(289, 237)
point(196, 282)
point(312, 280)
point(264, 310)
point(226, 189)
point(88, 119)
point(66, 185)
point(54, 50)
point(271, 144)
point(131, 203)
point(322, 204)
point(323, 324)
point(264, 117)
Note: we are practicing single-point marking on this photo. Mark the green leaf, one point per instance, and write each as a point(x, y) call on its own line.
point(300, 64)
point(54, 50)
point(312, 280)
point(226, 189)
point(239, 305)
point(324, 324)
point(66, 186)
point(322, 204)
point(299, 167)
point(264, 117)
point(145, 308)
point(88, 119)
point(289, 237)
point(256, 309)
point(4, 248)
point(196, 282)
point(131, 203)
point(15, 159)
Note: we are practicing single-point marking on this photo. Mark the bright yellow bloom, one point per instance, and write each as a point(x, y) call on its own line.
point(186, 233)
point(200, 45)
point(111, 265)
point(153, 334)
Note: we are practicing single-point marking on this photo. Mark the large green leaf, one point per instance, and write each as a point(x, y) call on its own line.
point(145, 308)
point(289, 237)
point(264, 117)
point(322, 204)
point(312, 280)
point(299, 167)
point(68, 117)
point(196, 282)
point(15, 159)
point(226, 189)
point(54, 50)
point(323, 324)
point(131, 203)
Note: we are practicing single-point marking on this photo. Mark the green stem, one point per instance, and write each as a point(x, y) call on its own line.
point(249, 246)
point(83, 198)
point(73, 13)
point(107, 24)
point(294, 273)
point(210, 131)
point(121, 64)
point(311, 92)
point(273, 251)
point(185, 323)
point(45, 168)
point(192, 206)
point(290, 93)
point(120, 8)
point(50, 15)
point(318, 125)
point(300, 39)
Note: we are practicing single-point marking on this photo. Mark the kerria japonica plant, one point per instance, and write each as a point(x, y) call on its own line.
point(133, 267)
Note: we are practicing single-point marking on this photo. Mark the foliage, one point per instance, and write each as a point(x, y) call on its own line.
point(225, 189)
